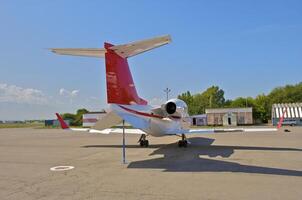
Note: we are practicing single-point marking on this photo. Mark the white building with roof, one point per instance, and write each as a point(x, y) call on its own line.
point(89, 119)
point(229, 116)
point(292, 113)
point(199, 120)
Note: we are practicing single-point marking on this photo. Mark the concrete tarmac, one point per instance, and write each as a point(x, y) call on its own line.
point(221, 166)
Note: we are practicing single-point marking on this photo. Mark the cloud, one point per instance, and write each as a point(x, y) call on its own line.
point(15, 94)
point(74, 93)
point(67, 93)
point(19, 103)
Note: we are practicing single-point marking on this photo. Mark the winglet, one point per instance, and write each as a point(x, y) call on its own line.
point(281, 119)
point(62, 122)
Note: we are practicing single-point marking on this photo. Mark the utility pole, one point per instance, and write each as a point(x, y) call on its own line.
point(167, 91)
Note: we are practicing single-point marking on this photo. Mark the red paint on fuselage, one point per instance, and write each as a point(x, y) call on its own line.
point(148, 114)
point(141, 113)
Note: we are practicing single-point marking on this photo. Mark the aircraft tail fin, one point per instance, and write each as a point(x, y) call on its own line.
point(120, 85)
point(62, 122)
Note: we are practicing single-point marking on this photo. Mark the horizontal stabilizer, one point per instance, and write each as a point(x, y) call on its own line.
point(90, 52)
point(124, 50)
point(134, 48)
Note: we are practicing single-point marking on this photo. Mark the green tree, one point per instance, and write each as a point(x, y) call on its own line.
point(213, 97)
point(79, 116)
point(69, 116)
point(287, 94)
point(188, 98)
point(75, 119)
point(241, 102)
point(262, 108)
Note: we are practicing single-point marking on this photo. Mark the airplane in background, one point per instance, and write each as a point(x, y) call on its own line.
point(171, 118)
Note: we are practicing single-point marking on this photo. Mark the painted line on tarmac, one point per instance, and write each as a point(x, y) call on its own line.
point(61, 168)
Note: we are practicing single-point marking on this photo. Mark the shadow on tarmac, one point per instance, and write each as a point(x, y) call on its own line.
point(177, 159)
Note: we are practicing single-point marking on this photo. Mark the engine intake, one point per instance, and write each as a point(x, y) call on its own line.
point(170, 108)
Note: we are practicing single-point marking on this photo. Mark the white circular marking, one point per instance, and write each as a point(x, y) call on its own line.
point(61, 168)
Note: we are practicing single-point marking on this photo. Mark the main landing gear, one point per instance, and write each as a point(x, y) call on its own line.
point(183, 142)
point(142, 141)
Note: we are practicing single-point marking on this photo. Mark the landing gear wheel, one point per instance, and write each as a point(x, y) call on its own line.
point(144, 143)
point(185, 143)
point(182, 143)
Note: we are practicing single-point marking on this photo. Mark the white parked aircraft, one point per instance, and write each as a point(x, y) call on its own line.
point(171, 118)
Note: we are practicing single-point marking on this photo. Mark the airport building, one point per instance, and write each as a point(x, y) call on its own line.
point(89, 119)
point(199, 120)
point(229, 116)
point(292, 113)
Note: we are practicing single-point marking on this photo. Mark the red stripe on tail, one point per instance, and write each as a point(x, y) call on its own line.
point(120, 85)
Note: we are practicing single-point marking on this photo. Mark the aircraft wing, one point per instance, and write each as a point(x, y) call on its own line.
point(118, 130)
point(64, 126)
point(108, 130)
point(109, 120)
point(226, 130)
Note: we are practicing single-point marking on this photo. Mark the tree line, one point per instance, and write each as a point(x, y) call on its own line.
point(213, 97)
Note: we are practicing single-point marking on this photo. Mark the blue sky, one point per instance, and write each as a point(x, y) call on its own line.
point(245, 47)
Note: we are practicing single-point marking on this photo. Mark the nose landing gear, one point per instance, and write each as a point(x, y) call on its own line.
point(183, 142)
point(142, 141)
